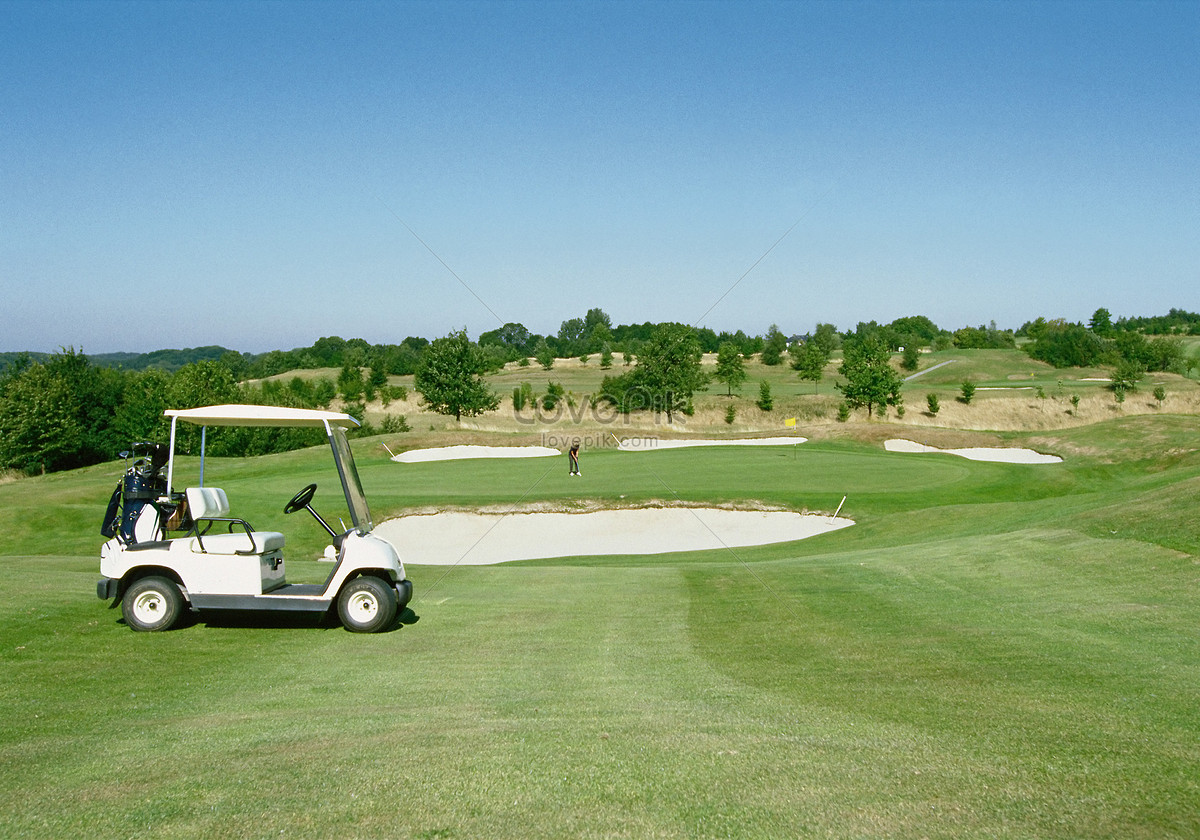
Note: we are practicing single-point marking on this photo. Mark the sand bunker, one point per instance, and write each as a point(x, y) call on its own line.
point(651, 444)
point(980, 453)
point(451, 453)
point(473, 539)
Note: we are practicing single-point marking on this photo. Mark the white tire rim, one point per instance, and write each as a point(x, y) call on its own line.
point(363, 607)
point(149, 607)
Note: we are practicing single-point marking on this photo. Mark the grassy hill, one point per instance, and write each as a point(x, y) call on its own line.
point(993, 650)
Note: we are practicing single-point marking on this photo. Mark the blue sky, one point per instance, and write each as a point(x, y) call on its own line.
point(259, 175)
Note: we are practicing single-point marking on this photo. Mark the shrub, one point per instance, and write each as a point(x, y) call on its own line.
point(934, 404)
point(730, 414)
point(554, 393)
point(843, 411)
point(394, 424)
point(765, 401)
point(968, 392)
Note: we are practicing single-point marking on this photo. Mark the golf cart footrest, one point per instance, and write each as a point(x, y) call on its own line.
point(107, 588)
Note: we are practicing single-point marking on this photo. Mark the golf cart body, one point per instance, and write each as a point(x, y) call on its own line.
point(174, 550)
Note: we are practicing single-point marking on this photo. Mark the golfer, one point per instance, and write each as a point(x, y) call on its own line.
point(573, 455)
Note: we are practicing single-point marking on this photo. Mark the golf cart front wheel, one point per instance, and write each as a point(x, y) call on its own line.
point(152, 604)
point(367, 605)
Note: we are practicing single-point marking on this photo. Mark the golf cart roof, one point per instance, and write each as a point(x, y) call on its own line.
point(261, 415)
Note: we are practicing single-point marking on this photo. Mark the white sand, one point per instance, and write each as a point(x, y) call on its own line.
point(979, 453)
point(451, 453)
point(473, 539)
point(650, 444)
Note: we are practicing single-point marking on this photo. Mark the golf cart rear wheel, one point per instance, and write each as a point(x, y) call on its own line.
point(152, 604)
point(367, 605)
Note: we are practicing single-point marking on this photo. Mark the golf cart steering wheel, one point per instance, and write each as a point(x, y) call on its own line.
point(300, 500)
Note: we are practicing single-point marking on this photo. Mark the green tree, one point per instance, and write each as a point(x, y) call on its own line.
point(450, 378)
point(765, 401)
point(871, 381)
point(544, 355)
point(668, 368)
point(826, 337)
point(39, 427)
point(910, 358)
point(968, 392)
point(773, 349)
point(934, 404)
point(667, 374)
point(1126, 376)
point(1101, 323)
point(350, 382)
point(730, 368)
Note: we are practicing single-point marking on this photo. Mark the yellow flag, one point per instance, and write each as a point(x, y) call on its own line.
point(791, 421)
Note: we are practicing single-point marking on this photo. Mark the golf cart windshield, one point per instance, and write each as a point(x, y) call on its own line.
point(356, 500)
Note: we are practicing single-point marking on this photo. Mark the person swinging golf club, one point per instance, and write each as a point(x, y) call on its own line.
point(573, 456)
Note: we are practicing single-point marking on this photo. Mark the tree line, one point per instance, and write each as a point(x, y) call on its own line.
point(64, 410)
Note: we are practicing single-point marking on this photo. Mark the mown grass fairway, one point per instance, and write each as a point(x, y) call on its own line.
point(993, 651)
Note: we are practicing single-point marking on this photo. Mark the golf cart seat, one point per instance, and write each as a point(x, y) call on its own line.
point(209, 505)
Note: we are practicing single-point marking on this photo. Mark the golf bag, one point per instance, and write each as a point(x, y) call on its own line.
point(138, 508)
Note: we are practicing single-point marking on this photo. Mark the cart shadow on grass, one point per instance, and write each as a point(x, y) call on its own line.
point(258, 620)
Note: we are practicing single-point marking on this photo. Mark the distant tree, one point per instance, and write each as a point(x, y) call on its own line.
point(967, 392)
point(667, 374)
point(1126, 376)
point(140, 415)
point(544, 356)
point(1062, 344)
point(916, 325)
point(606, 357)
point(1101, 323)
point(1160, 394)
point(730, 413)
point(910, 358)
point(668, 368)
point(572, 337)
point(731, 370)
point(765, 401)
point(554, 394)
point(450, 378)
point(776, 344)
point(931, 400)
point(39, 425)
point(826, 337)
point(871, 381)
point(376, 381)
point(350, 382)
point(809, 360)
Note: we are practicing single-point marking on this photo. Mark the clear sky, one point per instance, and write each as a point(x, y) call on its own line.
point(259, 175)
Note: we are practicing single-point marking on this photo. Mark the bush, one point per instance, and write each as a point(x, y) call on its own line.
point(968, 392)
point(843, 412)
point(394, 424)
point(765, 401)
point(934, 404)
point(554, 394)
point(730, 414)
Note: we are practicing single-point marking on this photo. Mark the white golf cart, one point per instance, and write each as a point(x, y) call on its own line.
point(219, 562)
